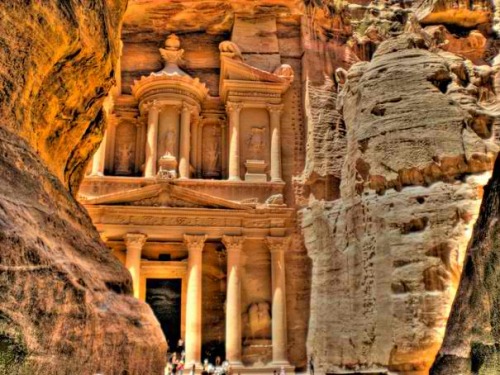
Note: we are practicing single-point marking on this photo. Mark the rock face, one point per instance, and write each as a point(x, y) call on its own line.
point(471, 341)
point(387, 255)
point(66, 306)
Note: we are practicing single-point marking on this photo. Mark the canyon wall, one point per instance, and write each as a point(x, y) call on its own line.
point(66, 305)
point(387, 227)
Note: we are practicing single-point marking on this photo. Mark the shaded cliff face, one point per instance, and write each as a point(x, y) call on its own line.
point(388, 254)
point(66, 306)
point(472, 340)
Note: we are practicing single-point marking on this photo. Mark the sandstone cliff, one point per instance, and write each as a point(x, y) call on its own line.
point(66, 306)
point(387, 255)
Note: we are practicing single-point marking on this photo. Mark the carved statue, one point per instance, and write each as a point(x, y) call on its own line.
point(213, 156)
point(124, 154)
point(259, 321)
point(169, 144)
point(285, 71)
point(256, 142)
point(230, 49)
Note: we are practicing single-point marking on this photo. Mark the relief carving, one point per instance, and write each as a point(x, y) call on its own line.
point(258, 321)
point(211, 166)
point(256, 142)
point(124, 159)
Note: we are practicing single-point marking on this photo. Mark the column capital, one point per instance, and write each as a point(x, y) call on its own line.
point(234, 107)
point(187, 108)
point(135, 239)
point(195, 242)
point(233, 243)
point(278, 244)
point(152, 105)
point(275, 108)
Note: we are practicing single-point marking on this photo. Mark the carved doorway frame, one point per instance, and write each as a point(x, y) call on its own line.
point(166, 270)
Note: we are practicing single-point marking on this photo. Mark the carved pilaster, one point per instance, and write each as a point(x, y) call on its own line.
point(275, 112)
point(277, 247)
point(233, 109)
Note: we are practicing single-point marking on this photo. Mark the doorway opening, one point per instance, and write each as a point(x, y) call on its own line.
point(164, 297)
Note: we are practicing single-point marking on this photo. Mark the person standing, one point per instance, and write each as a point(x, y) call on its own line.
point(311, 364)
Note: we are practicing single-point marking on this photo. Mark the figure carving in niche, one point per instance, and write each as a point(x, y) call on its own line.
point(256, 143)
point(169, 143)
point(259, 321)
point(212, 154)
point(124, 155)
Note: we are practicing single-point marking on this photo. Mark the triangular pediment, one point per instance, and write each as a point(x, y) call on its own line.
point(165, 195)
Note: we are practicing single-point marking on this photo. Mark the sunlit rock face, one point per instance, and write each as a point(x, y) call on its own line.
point(66, 306)
point(388, 254)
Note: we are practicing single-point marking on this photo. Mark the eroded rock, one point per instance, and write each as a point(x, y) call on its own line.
point(66, 305)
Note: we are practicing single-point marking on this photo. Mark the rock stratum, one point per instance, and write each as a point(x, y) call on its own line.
point(66, 305)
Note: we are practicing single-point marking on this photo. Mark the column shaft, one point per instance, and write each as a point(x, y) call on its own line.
point(99, 158)
point(275, 122)
point(185, 142)
point(152, 141)
point(234, 246)
point(234, 141)
point(199, 171)
point(194, 244)
point(277, 247)
point(134, 243)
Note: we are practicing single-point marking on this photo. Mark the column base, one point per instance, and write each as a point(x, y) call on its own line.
point(234, 178)
point(276, 180)
point(98, 174)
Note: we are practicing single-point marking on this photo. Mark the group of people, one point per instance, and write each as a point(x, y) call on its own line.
point(177, 361)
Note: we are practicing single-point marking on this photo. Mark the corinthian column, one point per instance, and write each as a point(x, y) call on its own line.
point(194, 245)
point(275, 122)
point(134, 243)
point(234, 246)
point(185, 144)
point(152, 141)
point(233, 109)
point(278, 246)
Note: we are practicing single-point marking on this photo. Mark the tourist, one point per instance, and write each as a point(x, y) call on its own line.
point(193, 370)
point(174, 362)
point(282, 370)
point(311, 364)
point(180, 346)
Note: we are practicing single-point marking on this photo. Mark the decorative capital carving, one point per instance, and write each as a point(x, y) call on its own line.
point(275, 108)
point(233, 243)
point(195, 242)
point(135, 240)
point(278, 244)
point(233, 107)
point(152, 105)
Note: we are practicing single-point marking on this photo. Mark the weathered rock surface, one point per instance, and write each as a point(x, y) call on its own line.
point(66, 306)
point(387, 255)
point(471, 344)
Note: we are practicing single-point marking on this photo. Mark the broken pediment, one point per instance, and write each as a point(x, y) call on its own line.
point(238, 76)
point(164, 195)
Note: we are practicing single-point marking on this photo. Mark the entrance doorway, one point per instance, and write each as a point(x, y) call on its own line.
point(164, 297)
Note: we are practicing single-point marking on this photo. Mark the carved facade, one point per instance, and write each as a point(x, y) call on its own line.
point(189, 186)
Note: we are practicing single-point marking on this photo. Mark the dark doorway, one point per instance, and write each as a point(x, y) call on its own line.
point(164, 297)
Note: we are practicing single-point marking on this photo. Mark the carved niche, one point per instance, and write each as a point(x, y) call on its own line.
point(125, 144)
point(212, 151)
